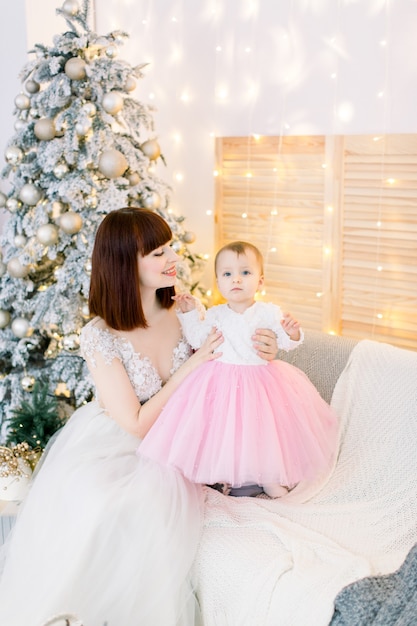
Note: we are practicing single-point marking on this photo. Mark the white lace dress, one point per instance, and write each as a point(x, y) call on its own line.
point(103, 533)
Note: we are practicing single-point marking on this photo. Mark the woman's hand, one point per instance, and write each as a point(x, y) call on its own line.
point(265, 344)
point(207, 351)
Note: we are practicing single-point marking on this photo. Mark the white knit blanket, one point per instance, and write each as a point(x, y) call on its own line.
point(281, 562)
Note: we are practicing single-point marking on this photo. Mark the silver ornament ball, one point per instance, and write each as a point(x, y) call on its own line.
point(112, 102)
point(82, 128)
point(20, 327)
point(32, 86)
point(44, 129)
point(61, 170)
point(133, 178)
point(22, 101)
point(112, 163)
point(112, 51)
point(90, 109)
point(13, 155)
point(70, 222)
point(16, 268)
point(151, 200)
point(188, 237)
point(75, 68)
point(47, 234)
point(28, 383)
point(130, 84)
point(19, 241)
point(70, 7)
point(19, 124)
point(30, 194)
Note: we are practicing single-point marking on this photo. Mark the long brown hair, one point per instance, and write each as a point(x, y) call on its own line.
point(114, 285)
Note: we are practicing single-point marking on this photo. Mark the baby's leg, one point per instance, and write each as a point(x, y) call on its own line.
point(275, 490)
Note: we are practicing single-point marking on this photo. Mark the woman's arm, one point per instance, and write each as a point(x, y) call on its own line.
point(118, 397)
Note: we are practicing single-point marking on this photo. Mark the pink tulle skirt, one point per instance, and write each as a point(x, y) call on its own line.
point(245, 424)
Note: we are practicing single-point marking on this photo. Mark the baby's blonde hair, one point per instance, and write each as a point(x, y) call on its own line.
point(240, 247)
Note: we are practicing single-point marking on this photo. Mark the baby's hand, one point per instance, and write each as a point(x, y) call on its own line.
point(185, 302)
point(291, 326)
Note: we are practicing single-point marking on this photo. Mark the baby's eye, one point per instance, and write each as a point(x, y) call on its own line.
point(226, 274)
point(246, 272)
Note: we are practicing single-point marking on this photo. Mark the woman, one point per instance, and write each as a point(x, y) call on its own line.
point(104, 533)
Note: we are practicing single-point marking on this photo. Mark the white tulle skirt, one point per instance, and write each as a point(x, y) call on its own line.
point(103, 534)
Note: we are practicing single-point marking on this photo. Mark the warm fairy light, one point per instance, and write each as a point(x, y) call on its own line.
point(333, 76)
point(218, 48)
point(206, 256)
point(319, 294)
point(324, 165)
point(379, 316)
point(248, 174)
point(377, 138)
point(274, 212)
point(390, 181)
point(379, 268)
point(208, 292)
point(185, 97)
point(179, 177)
point(383, 42)
point(244, 215)
point(327, 251)
point(379, 224)
point(263, 292)
point(248, 49)
point(209, 212)
point(330, 209)
point(177, 137)
point(273, 249)
point(256, 137)
point(151, 96)
point(221, 93)
point(380, 94)
point(174, 19)
point(331, 332)
point(216, 173)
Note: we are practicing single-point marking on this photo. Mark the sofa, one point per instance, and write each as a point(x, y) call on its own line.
point(264, 562)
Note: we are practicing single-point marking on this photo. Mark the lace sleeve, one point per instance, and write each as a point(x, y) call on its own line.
point(96, 340)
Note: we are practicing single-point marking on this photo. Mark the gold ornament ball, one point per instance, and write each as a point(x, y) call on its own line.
point(91, 202)
point(47, 234)
point(90, 109)
point(27, 383)
point(16, 269)
point(112, 163)
point(20, 327)
point(71, 342)
point(13, 205)
point(151, 149)
point(112, 51)
point(133, 178)
point(13, 155)
point(151, 200)
point(70, 7)
point(75, 68)
point(19, 241)
point(130, 84)
point(82, 128)
point(22, 101)
point(55, 209)
point(4, 318)
point(44, 129)
point(32, 86)
point(61, 170)
point(112, 102)
point(30, 194)
point(188, 237)
point(70, 222)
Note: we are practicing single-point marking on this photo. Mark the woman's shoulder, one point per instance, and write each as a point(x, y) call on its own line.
point(96, 336)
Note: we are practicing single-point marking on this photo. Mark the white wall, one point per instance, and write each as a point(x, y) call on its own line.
point(285, 66)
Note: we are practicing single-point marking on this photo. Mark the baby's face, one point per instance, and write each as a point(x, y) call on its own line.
point(238, 276)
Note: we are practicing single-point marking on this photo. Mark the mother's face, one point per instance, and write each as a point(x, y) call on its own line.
point(158, 268)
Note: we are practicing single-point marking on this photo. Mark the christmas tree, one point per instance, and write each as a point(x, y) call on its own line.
point(82, 147)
